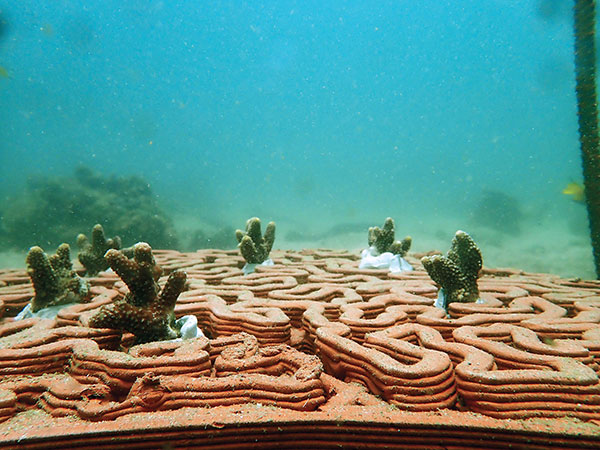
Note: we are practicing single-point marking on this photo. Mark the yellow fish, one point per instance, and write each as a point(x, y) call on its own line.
point(4, 72)
point(576, 191)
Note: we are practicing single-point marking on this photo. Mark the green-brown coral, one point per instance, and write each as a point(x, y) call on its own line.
point(54, 280)
point(383, 239)
point(91, 254)
point(457, 273)
point(145, 311)
point(255, 247)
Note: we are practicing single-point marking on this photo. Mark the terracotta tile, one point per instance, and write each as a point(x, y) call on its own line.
point(404, 374)
point(217, 318)
point(261, 284)
point(311, 346)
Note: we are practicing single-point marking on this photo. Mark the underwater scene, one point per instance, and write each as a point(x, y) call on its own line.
point(299, 224)
point(174, 122)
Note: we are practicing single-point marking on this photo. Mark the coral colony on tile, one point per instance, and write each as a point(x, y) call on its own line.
point(458, 271)
point(255, 247)
point(54, 280)
point(384, 239)
point(145, 311)
point(91, 254)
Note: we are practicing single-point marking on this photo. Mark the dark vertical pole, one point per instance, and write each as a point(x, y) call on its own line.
point(585, 71)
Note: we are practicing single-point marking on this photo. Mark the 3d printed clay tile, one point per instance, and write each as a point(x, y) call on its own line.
point(119, 370)
point(261, 284)
point(230, 294)
point(590, 339)
point(584, 303)
point(293, 309)
point(323, 253)
point(363, 329)
point(211, 275)
point(162, 393)
point(214, 261)
point(15, 297)
point(35, 346)
point(351, 269)
point(46, 358)
point(312, 320)
point(419, 289)
point(319, 292)
point(210, 254)
point(398, 371)
point(403, 297)
point(379, 313)
point(28, 389)
point(8, 404)
point(593, 285)
point(27, 329)
point(244, 372)
point(241, 342)
point(557, 386)
point(272, 360)
point(565, 327)
point(11, 277)
point(106, 279)
point(523, 339)
point(299, 273)
point(297, 300)
point(520, 309)
point(269, 325)
point(568, 297)
point(70, 315)
point(169, 260)
point(503, 292)
point(339, 278)
point(29, 333)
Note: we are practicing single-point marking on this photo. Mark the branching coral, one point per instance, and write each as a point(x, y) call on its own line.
point(253, 246)
point(54, 280)
point(91, 255)
point(457, 272)
point(383, 239)
point(145, 311)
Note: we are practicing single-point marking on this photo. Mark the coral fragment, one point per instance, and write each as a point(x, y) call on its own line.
point(54, 280)
point(383, 239)
point(255, 247)
point(91, 255)
point(145, 311)
point(457, 272)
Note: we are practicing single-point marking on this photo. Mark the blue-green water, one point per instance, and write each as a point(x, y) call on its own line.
point(312, 114)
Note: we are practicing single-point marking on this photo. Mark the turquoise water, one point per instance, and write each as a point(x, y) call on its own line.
point(314, 116)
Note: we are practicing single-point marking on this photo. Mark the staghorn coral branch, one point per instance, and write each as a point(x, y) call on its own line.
point(144, 311)
point(253, 246)
point(54, 280)
point(91, 256)
point(383, 239)
point(457, 273)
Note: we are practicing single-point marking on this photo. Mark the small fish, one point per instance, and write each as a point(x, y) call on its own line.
point(4, 72)
point(576, 191)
